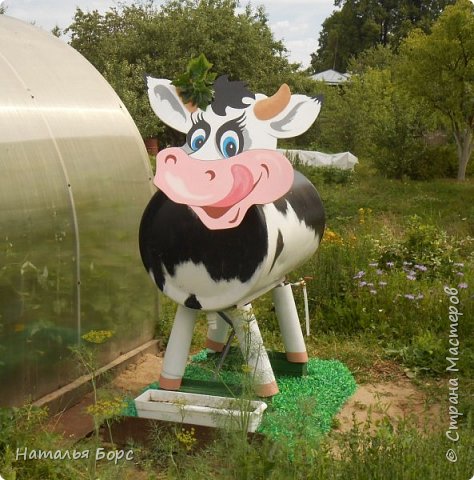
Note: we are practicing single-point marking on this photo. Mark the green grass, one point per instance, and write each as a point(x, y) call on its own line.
point(403, 454)
point(442, 202)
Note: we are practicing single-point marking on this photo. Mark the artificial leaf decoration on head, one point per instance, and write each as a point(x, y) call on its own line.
point(195, 84)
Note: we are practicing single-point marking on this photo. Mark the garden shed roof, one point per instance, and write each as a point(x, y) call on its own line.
point(331, 77)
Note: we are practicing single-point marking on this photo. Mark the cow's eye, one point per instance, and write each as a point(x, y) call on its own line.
point(198, 138)
point(229, 144)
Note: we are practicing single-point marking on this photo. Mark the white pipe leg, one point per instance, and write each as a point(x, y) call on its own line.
point(254, 352)
point(177, 351)
point(289, 322)
point(217, 332)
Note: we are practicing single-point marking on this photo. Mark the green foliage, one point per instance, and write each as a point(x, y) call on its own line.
point(423, 244)
point(372, 117)
point(336, 176)
point(358, 26)
point(129, 41)
point(379, 57)
point(195, 84)
point(344, 34)
point(438, 68)
point(414, 256)
point(366, 451)
point(25, 427)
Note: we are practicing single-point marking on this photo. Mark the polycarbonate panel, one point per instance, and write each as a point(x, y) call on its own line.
point(74, 181)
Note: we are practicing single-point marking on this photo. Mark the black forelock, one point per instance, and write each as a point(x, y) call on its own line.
point(229, 94)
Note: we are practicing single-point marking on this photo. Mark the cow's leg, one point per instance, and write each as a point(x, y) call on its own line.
point(217, 332)
point(177, 351)
point(254, 352)
point(289, 322)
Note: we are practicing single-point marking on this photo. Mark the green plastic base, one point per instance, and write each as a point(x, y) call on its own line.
point(304, 407)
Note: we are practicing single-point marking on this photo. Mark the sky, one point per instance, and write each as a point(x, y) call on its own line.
point(296, 22)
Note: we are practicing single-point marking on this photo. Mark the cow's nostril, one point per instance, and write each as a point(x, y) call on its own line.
point(171, 157)
point(211, 174)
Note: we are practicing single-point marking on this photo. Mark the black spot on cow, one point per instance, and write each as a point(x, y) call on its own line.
point(279, 248)
point(305, 201)
point(192, 302)
point(172, 234)
point(229, 94)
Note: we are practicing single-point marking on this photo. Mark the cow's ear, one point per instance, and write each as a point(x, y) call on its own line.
point(297, 117)
point(167, 104)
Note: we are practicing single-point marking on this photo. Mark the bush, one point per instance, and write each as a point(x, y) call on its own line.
point(424, 245)
point(326, 175)
point(413, 159)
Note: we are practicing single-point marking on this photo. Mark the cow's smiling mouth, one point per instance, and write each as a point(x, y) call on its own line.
point(218, 212)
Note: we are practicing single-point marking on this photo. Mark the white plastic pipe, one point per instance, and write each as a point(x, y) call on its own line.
point(217, 332)
point(253, 350)
point(306, 308)
point(287, 315)
point(177, 351)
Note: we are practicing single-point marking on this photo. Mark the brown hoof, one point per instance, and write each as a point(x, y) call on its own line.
point(170, 383)
point(267, 390)
point(216, 346)
point(297, 357)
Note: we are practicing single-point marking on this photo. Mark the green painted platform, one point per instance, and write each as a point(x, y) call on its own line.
point(304, 407)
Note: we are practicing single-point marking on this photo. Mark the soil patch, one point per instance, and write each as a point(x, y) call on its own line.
point(395, 400)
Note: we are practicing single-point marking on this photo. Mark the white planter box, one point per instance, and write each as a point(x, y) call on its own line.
point(198, 409)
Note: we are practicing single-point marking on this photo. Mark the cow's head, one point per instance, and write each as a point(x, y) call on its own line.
point(229, 161)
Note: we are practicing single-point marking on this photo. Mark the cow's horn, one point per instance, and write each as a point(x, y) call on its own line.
point(272, 106)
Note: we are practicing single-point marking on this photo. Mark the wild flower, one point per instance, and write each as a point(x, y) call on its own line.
point(379, 272)
point(106, 408)
point(422, 268)
point(390, 264)
point(332, 237)
point(97, 336)
point(187, 438)
point(375, 264)
point(362, 212)
point(420, 296)
point(411, 277)
point(370, 284)
point(458, 264)
point(463, 285)
point(362, 284)
point(407, 263)
point(359, 274)
point(382, 284)
point(246, 368)
point(373, 292)
point(409, 296)
point(460, 274)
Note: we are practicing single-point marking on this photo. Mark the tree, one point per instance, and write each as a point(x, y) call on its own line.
point(439, 69)
point(132, 40)
point(378, 57)
point(56, 31)
point(343, 35)
point(361, 24)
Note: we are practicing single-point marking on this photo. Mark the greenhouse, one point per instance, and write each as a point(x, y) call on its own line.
point(75, 180)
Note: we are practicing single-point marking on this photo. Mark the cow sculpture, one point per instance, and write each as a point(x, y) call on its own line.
point(230, 220)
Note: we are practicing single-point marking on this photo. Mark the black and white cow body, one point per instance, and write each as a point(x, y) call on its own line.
point(232, 218)
point(236, 265)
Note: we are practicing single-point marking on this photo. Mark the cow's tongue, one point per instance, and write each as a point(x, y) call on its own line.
point(242, 186)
